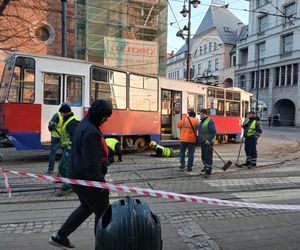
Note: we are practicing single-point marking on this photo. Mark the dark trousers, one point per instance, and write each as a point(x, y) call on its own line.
point(92, 200)
point(250, 149)
point(191, 150)
point(118, 152)
point(207, 157)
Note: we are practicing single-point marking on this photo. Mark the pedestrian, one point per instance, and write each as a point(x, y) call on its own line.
point(69, 125)
point(270, 119)
point(54, 127)
point(188, 127)
point(252, 130)
point(86, 164)
point(114, 148)
point(206, 135)
point(160, 151)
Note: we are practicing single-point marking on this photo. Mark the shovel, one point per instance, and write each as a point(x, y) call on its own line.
point(238, 157)
point(226, 164)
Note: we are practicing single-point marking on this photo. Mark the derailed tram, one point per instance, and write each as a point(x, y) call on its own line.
point(145, 107)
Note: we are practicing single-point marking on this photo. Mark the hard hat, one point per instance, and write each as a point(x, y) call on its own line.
point(152, 143)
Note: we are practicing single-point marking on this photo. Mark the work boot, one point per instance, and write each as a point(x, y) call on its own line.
point(202, 170)
point(65, 190)
point(189, 170)
point(57, 241)
point(181, 167)
point(246, 164)
point(206, 176)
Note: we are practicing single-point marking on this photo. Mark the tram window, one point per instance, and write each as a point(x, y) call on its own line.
point(229, 95)
point(211, 92)
point(220, 94)
point(109, 85)
point(200, 103)
point(52, 87)
point(22, 83)
point(190, 102)
point(143, 93)
point(220, 108)
point(74, 90)
point(232, 108)
point(8, 69)
point(236, 96)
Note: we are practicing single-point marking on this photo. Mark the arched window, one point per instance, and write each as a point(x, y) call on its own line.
point(196, 53)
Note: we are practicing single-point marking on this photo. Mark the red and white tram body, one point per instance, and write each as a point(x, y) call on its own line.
point(145, 107)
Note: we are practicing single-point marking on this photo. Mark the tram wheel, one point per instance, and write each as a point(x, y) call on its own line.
point(140, 144)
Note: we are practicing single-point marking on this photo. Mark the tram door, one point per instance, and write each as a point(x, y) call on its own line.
point(170, 114)
point(57, 89)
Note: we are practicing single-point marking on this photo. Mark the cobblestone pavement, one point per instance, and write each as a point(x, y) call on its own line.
point(34, 212)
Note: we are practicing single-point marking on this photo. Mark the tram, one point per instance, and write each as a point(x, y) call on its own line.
point(145, 107)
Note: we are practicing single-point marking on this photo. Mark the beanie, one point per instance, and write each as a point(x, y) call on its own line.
point(64, 108)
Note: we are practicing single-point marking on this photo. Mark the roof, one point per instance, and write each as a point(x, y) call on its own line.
point(223, 20)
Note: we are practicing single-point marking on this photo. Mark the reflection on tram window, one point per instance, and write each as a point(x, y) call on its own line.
point(109, 85)
point(52, 87)
point(233, 103)
point(22, 83)
point(190, 102)
point(6, 76)
point(215, 101)
point(143, 93)
point(74, 91)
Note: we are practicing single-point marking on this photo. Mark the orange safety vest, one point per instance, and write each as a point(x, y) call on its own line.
point(186, 132)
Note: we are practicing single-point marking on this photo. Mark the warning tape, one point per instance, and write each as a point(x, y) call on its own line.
point(6, 183)
point(151, 192)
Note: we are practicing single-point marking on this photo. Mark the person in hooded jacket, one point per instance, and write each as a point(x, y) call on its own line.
point(87, 164)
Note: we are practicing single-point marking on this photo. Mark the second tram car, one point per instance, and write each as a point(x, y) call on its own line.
point(144, 107)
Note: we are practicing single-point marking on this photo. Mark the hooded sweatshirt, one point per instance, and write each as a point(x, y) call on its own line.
point(86, 156)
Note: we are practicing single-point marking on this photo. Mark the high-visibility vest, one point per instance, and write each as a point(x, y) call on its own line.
point(58, 127)
point(65, 139)
point(252, 129)
point(166, 152)
point(205, 132)
point(111, 143)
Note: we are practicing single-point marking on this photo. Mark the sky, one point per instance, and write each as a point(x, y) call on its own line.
point(174, 42)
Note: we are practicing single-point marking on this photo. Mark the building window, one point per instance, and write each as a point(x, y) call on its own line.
point(209, 66)
point(277, 74)
point(217, 64)
point(295, 74)
point(261, 48)
point(201, 50)
point(289, 75)
point(215, 46)
point(262, 23)
point(289, 11)
point(210, 47)
point(243, 56)
point(287, 43)
point(282, 76)
point(262, 78)
point(252, 79)
point(199, 68)
point(260, 3)
point(233, 62)
point(243, 81)
point(205, 49)
point(267, 78)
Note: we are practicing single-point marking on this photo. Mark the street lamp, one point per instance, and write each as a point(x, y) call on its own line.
point(187, 12)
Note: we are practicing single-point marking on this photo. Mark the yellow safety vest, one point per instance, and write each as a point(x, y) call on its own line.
point(65, 139)
point(205, 132)
point(111, 143)
point(252, 129)
point(58, 127)
point(166, 152)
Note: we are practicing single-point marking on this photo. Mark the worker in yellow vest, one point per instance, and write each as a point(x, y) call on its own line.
point(54, 127)
point(69, 125)
point(114, 148)
point(252, 130)
point(160, 151)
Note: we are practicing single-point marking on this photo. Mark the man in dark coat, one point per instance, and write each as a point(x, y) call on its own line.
point(86, 164)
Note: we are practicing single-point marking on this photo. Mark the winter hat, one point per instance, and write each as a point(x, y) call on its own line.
point(64, 108)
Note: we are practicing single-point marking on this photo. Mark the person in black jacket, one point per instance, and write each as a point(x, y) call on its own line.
point(86, 164)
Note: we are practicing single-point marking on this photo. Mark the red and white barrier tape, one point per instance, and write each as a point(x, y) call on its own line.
point(6, 183)
point(154, 193)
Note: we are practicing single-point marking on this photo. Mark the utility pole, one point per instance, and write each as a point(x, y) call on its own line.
point(64, 28)
point(188, 60)
point(257, 77)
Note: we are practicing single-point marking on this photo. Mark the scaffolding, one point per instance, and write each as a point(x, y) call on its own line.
point(128, 34)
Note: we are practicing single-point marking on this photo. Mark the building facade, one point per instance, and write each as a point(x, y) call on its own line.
point(128, 34)
point(211, 49)
point(268, 58)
